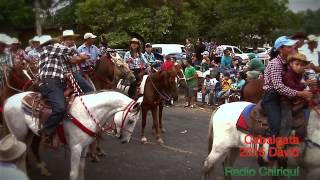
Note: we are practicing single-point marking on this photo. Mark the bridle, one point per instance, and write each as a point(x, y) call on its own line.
point(16, 78)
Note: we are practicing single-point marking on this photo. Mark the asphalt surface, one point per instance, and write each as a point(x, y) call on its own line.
point(180, 158)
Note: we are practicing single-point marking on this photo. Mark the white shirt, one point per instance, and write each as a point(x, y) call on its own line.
point(210, 84)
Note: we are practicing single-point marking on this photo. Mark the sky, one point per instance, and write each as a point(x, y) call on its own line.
point(300, 5)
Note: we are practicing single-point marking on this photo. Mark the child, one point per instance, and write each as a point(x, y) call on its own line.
point(225, 87)
point(292, 78)
point(207, 88)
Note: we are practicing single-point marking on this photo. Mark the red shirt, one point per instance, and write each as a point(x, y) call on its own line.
point(293, 80)
point(168, 65)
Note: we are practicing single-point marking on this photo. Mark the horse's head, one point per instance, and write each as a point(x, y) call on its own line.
point(181, 79)
point(122, 70)
point(126, 120)
point(168, 83)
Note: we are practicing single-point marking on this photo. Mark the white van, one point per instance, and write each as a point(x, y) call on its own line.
point(165, 49)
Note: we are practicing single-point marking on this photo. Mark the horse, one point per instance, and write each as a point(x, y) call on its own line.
point(159, 86)
point(93, 111)
point(108, 71)
point(224, 139)
point(252, 91)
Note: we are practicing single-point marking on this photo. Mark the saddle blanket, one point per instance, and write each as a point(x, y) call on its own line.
point(143, 83)
point(243, 119)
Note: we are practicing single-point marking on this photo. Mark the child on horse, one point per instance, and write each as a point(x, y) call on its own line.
point(274, 86)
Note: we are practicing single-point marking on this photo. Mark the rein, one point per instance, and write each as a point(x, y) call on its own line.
point(107, 126)
point(5, 69)
point(162, 95)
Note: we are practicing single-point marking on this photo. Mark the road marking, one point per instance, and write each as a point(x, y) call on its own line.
point(166, 147)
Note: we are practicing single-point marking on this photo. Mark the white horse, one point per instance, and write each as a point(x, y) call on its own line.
point(225, 139)
point(104, 106)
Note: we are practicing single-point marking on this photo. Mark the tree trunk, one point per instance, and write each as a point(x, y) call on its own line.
point(37, 16)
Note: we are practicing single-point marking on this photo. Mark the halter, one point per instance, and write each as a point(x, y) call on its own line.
point(162, 95)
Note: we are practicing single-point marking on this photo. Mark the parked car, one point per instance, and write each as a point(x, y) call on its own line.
point(176, 51)
point(263, 53)
point(235, 51)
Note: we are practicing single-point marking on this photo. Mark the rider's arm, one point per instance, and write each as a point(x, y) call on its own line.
point(314, 67)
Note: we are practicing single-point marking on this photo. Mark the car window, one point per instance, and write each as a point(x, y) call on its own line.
point(237, 51)
point(182, 49)
point(157, 49)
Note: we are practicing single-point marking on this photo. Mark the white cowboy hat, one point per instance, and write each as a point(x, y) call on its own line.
point(89, 35)
point(312, 38)
point(5, 39)
point(11, 148)
point(68, 33)
point(15, 41)
point(44, 39)
point(35, 39)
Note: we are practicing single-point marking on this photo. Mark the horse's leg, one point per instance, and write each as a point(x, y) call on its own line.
point(144, 121)
point(76, 152)
point(156, 124)
point(35, 146)
point(230, 159)
point(210, 160)
point(163, 130)
point(93, 151)
point(100, 151)
point(82, 163)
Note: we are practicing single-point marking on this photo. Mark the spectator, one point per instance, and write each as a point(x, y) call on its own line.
point(218, 53)
point(200, 48)
point(208, 88)
point(205, 64)
point(189, 48)
point(226, 61)
point(255, 67)
point(241, 81)
point(89, 49)
point(225, 87)
point(191, 75)
point(11, 151)
point(4, 56)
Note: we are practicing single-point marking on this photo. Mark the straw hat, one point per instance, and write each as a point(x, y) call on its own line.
point(15, 41)
point(298, 56)
point(312, 38)
point(11, 148)
point(89, 35)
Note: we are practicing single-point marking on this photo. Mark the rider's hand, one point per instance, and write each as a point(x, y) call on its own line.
point(311, 82)
point(304, 94)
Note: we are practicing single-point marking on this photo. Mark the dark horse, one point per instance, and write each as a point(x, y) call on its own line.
point(160, 86)
point(252, 91)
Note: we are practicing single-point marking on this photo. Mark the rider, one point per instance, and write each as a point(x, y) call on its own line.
point(134, 57)
point(273, 84)
point(52, 71)
point(89, 49)
point(255, 67)
point(148, 56)
point(18, 56)
point(68, 40)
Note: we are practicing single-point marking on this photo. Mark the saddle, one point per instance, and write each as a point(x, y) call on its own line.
point(256, 121)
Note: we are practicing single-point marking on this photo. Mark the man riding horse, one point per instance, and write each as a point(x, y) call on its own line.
point(54, 64)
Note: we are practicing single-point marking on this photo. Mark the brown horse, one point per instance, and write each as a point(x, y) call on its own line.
point(108, 71)
point(159, 86)
point(252, 91)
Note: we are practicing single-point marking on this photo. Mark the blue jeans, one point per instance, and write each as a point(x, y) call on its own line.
point(52, 89)
point(84, 84)
point(272, 106)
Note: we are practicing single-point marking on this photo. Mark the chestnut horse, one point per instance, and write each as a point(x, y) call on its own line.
point(252, 91)
point(159, 86)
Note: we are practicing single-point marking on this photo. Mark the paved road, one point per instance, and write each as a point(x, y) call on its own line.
point(180, 159)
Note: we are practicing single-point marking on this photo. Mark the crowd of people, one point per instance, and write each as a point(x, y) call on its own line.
point(222, 74)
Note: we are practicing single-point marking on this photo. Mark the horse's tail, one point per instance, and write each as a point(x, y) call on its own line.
point(210, 131)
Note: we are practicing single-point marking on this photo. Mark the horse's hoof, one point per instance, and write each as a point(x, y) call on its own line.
point(163, 130)
point(160, 141)
point(144, 140)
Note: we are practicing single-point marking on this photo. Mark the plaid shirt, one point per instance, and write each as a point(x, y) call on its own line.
point(273, 78)
point(53, 61)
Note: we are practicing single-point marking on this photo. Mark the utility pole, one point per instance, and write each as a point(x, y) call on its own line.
point(37, 16)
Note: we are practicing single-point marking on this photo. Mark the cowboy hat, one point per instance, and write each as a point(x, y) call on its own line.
point(89, 35)
point(69, 33)
point(298, 56)
point(312, 38)
point(5, 39)
point(135, 40)
point(45, 39)
point(36, 39)
point(15, 41)
point(11, 148)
